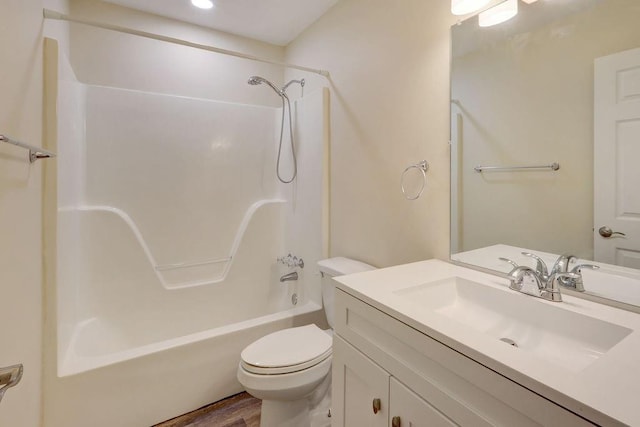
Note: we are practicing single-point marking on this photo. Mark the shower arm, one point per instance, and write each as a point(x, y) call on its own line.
point(284, 88)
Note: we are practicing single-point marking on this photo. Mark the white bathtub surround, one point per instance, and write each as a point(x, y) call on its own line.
point(163, 380)
point(578, 354)
point(170, 222)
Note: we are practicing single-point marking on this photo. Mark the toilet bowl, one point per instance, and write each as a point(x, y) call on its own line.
point(290, 370)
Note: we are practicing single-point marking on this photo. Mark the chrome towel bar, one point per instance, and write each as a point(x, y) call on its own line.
point(35, 153)
point(551, 167)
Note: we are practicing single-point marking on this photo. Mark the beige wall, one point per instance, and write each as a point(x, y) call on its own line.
point(389, 65)
point(20, 208)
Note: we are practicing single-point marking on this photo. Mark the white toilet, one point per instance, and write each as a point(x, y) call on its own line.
point(290, 370)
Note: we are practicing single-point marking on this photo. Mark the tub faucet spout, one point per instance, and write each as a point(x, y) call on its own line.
point(288, 277)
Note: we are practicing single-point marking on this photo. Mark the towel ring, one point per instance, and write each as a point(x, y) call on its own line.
point(423, 167)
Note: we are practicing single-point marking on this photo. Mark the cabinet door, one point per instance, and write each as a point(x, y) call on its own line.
point(358, 385)
point(407, 409)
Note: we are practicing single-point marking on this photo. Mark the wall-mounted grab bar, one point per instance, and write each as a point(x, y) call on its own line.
point(552, 167)
point(35, 153)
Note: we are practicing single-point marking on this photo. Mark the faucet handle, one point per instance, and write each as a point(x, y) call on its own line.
point(541, 266)
point(562, 263)
point(513, 263)
point(578, 268)
point(523, 277)
point(576, 283)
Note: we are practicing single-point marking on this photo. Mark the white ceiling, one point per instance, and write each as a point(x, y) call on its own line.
point(272, 21)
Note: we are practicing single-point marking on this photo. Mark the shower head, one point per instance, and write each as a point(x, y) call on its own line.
point(256, 80)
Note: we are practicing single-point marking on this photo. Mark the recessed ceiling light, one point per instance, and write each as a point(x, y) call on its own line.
point(202, 4)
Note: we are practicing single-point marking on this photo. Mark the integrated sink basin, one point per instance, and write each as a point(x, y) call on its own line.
point(544, 329)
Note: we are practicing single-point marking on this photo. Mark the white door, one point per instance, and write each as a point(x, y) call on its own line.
point(617, 159)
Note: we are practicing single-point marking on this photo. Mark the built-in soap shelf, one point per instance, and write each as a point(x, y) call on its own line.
point(205, 271)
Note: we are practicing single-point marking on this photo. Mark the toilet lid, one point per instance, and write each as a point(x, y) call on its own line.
point(288, 350)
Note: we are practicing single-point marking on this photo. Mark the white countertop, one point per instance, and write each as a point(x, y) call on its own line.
point(607, 389)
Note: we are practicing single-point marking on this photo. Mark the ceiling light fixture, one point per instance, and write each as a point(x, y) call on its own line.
point(498, 14)
point(202, 4)
point(463, 7)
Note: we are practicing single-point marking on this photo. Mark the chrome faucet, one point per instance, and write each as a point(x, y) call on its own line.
point(289, 277)
point(542, 283)
point(529, 281)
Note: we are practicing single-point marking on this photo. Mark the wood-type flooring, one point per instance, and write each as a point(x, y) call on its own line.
point(241, 410)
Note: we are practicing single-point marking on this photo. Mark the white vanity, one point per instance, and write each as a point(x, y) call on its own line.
point(430, 343)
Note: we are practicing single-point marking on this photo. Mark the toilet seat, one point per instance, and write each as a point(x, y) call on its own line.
point(286, 351)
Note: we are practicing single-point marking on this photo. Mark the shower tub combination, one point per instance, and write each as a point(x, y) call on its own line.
point(170, 220)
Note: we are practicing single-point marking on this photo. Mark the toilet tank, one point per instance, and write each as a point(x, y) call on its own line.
point(330, 268)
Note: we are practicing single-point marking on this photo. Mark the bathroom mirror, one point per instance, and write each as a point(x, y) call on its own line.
point(545, 140)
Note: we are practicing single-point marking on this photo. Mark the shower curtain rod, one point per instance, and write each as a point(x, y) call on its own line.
point(50, 14)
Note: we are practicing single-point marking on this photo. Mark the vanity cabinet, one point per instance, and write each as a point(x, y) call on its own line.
point(363, 396)
point(407, 409)
point(370, 396)
point(386, 373)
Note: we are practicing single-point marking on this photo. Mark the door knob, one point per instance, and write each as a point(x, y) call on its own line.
point(395, 422)
point(607, 232)
point(376, 405)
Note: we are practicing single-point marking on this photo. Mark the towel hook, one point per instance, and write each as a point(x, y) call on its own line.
point(423, 167)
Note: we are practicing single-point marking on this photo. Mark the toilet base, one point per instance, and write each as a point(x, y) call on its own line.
point(310, 411)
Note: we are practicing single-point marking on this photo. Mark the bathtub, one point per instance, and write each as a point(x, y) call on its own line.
point(151, 383)
point(98, 342)
point(139, 353)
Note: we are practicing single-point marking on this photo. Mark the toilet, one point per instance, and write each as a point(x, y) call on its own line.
point(290, 370)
